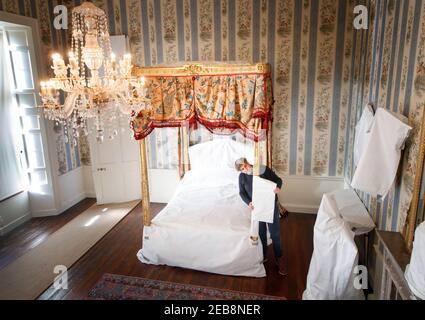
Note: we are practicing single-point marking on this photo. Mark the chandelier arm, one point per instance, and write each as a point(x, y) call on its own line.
point(93, 84)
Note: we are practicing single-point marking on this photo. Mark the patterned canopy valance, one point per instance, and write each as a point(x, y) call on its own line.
point(232, 96)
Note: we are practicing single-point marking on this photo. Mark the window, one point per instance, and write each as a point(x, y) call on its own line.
point(26, 130)
point(10, 173)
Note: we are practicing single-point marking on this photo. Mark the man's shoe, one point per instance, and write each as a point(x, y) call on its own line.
point(283, 213)
point(281, 266)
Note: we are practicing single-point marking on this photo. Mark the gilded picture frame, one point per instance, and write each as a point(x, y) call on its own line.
point(416, 212)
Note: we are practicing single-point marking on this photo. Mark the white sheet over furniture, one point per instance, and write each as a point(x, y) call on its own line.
point(415, 270)
point(205, 226)
point(335, 255)
point(362, 135)
point(380, 158)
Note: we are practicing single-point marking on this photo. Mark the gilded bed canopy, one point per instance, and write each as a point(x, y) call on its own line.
point(231, 96)
point(225, 98)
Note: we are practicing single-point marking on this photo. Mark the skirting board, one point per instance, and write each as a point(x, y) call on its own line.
point(300, 194)
point(303, 194)
point(298, 208)
point(90, 194)
point(65, 206)
point(71, 188)
point(15, 223)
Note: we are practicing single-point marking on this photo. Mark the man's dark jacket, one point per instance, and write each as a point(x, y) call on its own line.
point(245, 183)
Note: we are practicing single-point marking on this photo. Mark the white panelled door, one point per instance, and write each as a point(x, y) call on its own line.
point(115, 163)
point(115, 166)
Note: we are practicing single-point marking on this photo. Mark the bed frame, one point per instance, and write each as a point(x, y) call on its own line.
point(263, 150)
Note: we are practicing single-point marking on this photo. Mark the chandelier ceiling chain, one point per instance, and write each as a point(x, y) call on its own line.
point(93, 84)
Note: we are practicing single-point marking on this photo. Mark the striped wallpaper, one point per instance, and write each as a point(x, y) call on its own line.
point(308, 42)
point(390, 73)
point(324, 71)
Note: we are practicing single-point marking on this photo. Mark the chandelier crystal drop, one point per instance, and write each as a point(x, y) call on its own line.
point(94, 88)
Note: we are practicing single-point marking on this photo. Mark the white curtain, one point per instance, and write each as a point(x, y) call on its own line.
point(10, 177)
point(163, 148)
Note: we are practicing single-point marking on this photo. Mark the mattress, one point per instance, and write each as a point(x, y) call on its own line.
point(205, 226)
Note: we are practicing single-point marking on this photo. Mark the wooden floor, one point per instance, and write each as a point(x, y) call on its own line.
point(116, 253)
point(33, 232)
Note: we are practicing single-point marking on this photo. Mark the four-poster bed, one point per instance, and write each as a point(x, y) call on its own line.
point(206, 207)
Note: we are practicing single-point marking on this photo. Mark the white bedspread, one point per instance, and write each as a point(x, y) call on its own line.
point(206, 226)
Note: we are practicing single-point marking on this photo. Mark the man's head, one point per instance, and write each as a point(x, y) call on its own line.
point(243, 166)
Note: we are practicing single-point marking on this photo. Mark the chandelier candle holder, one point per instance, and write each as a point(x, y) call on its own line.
point(93, 84)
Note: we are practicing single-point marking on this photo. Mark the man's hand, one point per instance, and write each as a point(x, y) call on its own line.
point(277, 190)
point(251, 206)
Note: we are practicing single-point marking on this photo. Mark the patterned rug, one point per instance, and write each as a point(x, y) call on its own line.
point(117, 287)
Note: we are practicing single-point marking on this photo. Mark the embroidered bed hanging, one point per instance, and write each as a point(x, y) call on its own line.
point(229, 96)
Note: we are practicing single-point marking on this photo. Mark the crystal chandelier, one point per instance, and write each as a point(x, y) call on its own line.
point(93, 85)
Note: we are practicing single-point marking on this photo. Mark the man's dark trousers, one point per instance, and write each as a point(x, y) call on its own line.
point(274, 232)
point(245, 191)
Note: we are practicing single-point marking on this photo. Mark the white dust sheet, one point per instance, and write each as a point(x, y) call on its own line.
point(263, 199)
point(206, 226)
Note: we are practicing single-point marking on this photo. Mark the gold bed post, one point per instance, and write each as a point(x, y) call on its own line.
point(257, 149)
point(269, 148)
point(183, 149)
point(145, 184)
point(185, 144)
point(256, 172)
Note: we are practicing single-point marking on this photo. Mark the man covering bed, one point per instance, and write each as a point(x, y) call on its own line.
point(245, 191)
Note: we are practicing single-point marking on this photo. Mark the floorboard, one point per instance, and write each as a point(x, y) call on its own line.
point(35, 231)
point(116, 253)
